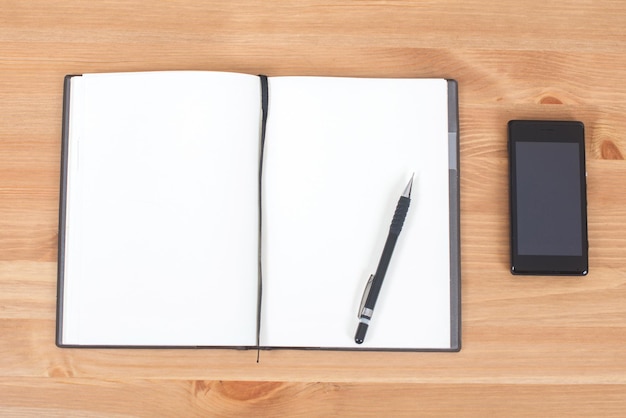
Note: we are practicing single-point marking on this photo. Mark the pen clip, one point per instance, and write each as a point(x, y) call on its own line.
point(366, 292)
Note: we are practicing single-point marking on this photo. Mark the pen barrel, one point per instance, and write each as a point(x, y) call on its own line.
point(394, 232)
point(400, 215)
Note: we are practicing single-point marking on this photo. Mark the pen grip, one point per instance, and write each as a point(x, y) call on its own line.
point(385, 258)
point(400, 215)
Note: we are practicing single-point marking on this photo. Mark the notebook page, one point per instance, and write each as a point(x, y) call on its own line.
point(162, 210)
point(339, 153)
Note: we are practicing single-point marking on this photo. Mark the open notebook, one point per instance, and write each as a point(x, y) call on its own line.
point(208, 209)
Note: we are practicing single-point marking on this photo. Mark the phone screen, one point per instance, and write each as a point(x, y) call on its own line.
point(548, 202)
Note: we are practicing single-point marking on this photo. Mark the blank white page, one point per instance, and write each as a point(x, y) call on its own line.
point(338, 154)
point(162, 220)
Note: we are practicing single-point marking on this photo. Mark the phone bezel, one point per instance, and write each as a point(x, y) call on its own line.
point(547, 131)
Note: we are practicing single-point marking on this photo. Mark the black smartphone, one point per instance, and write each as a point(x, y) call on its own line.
point(548, 197)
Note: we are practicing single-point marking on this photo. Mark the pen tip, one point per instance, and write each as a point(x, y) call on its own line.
point(409, 186)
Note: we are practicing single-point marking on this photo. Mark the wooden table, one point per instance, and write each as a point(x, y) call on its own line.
point(531, 345)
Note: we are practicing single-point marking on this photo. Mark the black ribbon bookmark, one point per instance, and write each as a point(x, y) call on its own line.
point(264, 107)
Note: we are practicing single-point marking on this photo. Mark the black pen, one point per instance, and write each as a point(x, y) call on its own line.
point(375, 282)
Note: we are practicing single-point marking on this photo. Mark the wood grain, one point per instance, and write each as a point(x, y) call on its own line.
point(534, 346)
